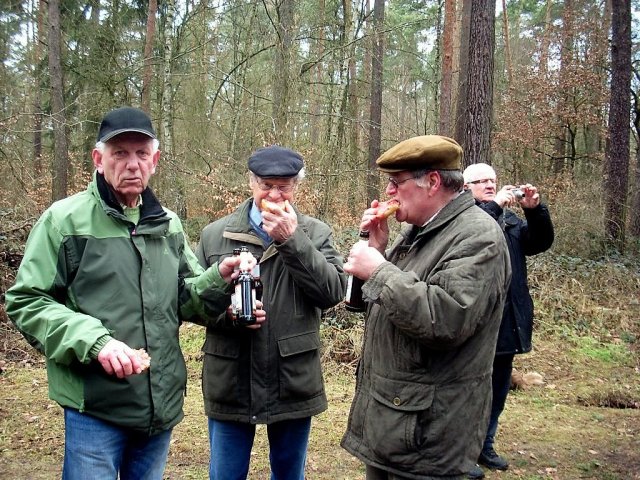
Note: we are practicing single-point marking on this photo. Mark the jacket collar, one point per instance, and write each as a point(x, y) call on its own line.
point(451, 210)
point(150, 208)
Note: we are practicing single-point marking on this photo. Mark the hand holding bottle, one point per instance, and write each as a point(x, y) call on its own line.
point(244, 298)
point(260, 314)
point(363, 260)
point(229, 267)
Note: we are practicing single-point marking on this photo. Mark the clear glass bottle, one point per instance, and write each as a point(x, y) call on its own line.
point(353, 300)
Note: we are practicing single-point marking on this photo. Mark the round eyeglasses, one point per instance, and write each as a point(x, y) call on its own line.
point(396, 183)
point(266, 187)
point(483, 181)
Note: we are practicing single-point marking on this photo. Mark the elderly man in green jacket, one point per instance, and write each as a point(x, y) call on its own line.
point(435, 300)
point(269, 373)
point(107, 277)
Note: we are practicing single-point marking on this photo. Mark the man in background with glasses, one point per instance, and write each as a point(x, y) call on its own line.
point(525, 237)
point(269, 373)
point(435, 298)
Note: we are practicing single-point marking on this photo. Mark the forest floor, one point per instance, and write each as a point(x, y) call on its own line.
point(583, 423)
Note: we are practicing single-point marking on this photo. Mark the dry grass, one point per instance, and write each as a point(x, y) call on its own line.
point(583, 423)
point(546, 432)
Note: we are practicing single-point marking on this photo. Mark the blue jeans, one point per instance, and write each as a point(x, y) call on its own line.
point(500, 385)
point(231, 443)
point(98, 450)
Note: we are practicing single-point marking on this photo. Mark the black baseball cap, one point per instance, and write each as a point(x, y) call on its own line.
point(125, 119)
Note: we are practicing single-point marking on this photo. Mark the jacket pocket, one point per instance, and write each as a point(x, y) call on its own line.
point(220, 376)
point(300, 370)
point(391, 427)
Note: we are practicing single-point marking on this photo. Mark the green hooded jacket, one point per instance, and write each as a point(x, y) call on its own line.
point(89, 275)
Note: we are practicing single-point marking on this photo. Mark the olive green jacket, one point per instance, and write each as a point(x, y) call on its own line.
point(272, 373)
point(423, 390)
point(89, 275)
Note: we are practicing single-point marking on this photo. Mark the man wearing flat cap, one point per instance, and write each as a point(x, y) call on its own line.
point(435, 299)
point(269, 373)
point(106, 279)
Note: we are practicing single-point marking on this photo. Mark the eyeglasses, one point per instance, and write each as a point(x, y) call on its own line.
point(396, 183)
point(266, 187)
point(483, 181)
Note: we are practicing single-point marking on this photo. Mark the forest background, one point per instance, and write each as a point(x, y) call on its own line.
point(546, 91)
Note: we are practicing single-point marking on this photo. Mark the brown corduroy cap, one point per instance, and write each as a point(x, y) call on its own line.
point(427, 151)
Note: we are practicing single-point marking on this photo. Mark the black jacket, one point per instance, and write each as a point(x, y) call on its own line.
point(524, 237)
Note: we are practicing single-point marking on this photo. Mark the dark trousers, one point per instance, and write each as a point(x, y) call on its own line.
point(500, 384)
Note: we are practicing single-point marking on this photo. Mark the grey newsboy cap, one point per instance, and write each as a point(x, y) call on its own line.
point(275, 161)
point(122, 120)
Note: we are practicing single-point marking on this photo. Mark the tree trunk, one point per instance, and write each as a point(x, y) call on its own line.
point(39, 40)
point(594, 134)
point(463, 72)
point(167, 90)
point(634, 213)
point(634, 220)
point(147, 75)
point(616, 168)
point(174, 188)
point(476, 119)
point(282, 66)
point(61, 150)
point(316, 76)
point(352, 108)
point(566, 57)
point(545, 41)
point(375, 117)
point(507, 44)
point(444, 127)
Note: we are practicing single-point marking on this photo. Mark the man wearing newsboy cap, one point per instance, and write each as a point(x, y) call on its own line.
point(435, 299)
point(269, 373)
point(106, 279)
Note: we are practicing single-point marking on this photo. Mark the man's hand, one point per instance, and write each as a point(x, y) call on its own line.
point(227, 267)
point(505, 196)
point(118, 359)
point(280, 223)
point(531, 197)
point(363, 260)
point(377, 227)
point(261, 315)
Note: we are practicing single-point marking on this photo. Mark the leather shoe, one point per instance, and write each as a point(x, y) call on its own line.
point(490, 459)
point(476, 473)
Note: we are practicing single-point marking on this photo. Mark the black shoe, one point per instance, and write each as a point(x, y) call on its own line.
point(490, 459)
point(476, 473)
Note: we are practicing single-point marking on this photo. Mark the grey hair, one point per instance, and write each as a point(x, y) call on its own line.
point(473, 169)
point(451, 179)
point(100, 146)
